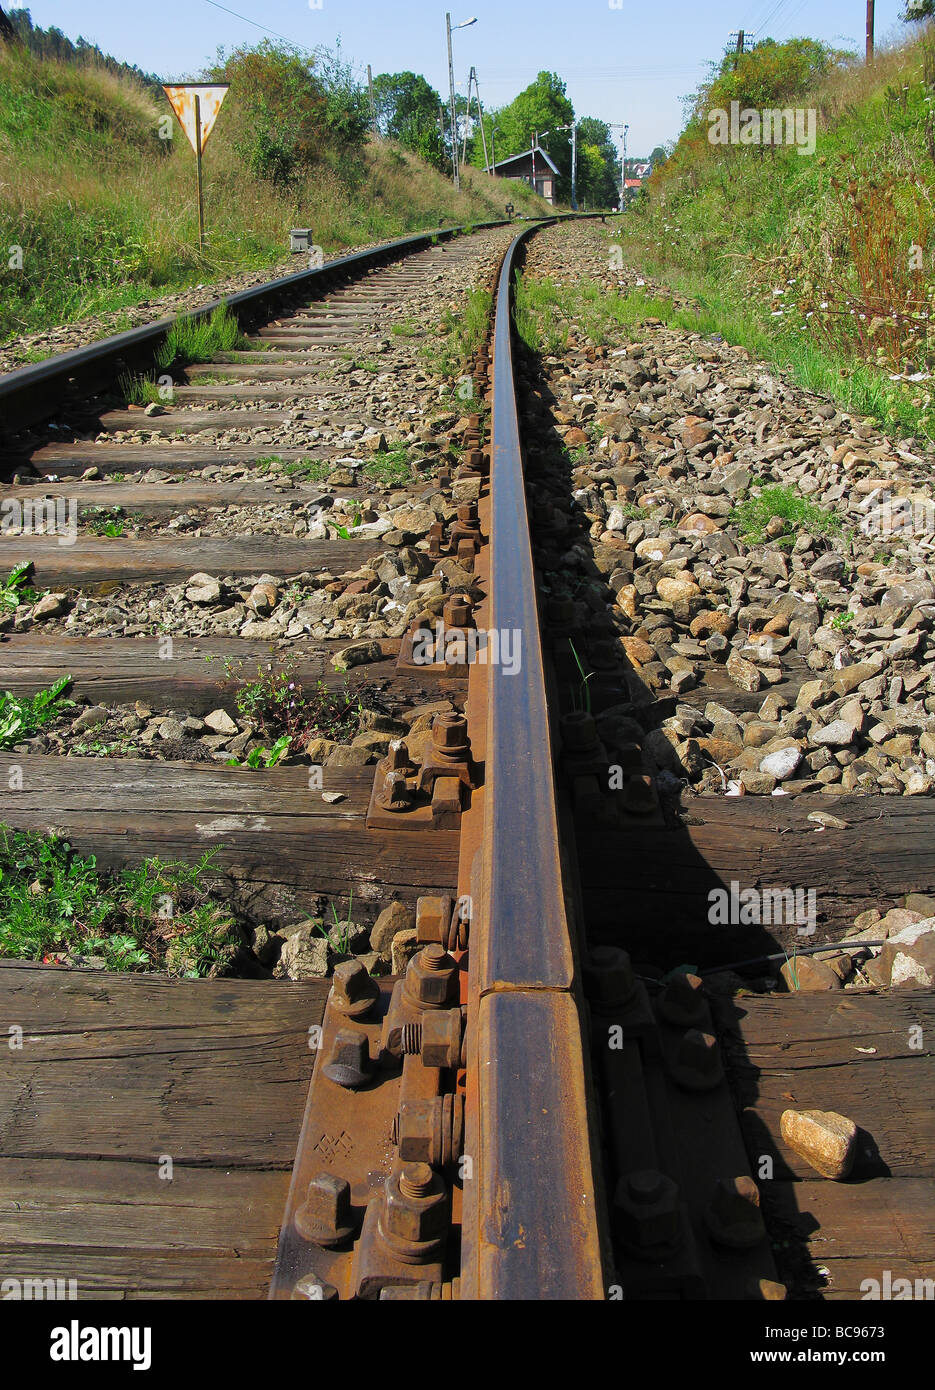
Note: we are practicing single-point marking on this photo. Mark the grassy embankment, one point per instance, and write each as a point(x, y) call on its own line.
point(820, 264)
point(106, 212)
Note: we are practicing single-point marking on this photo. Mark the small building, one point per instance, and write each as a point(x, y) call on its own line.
point(534, 167)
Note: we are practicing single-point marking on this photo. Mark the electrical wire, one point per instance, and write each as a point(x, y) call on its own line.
point(262, 27)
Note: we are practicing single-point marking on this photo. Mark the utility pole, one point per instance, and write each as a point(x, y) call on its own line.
point(451, 97)
point(870, 29)
point(451, 100)
point(739, 52)
point(373, 107)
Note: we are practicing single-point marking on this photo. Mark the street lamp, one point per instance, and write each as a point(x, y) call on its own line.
point(451, 91)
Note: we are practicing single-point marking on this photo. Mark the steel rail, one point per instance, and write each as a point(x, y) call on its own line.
point(531, 1208)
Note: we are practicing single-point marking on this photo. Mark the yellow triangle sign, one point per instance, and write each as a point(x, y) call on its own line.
point(199, 117)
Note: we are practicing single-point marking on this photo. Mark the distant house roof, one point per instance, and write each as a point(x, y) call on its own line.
point(525, 154)
point(633, 183)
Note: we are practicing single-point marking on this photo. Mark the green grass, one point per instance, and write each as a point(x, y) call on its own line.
point(754, 514)
point(116, 222)
point(805, 260)
point(264, 757)
point(393, 468)
point(198, 340)
point(22, 716)
point(459, 335)
point(15, 589)
point(157, 915)
point(280, 706)
point(308, 470)
point(107, 521)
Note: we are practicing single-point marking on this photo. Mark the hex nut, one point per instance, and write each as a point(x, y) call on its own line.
point(414, 1212)
point(646, 1213)
point(441, 1038)
point(431, 978)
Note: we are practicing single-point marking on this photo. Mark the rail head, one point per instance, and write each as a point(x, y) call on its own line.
point(531, 1209)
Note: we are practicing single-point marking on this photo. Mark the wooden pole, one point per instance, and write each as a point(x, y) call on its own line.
point(870, 29)
point(201, 200)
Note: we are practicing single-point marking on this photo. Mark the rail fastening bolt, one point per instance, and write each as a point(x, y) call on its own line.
point(697, 1065)
point(733, 1215)
point(354, 990)
point(325, 1215)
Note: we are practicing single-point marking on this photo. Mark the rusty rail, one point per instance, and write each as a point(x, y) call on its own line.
point(447, 1149)
point(531, 1212)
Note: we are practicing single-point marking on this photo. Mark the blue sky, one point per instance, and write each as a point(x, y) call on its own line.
point(629, 64)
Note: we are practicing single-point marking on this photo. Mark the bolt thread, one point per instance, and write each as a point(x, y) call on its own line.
point(411, 1039)
point(435, 958)
point(416, 1181)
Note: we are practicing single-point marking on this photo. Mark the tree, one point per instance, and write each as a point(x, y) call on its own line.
point(597, 164)
point(919, 9)
point(6, 28)
point(288, 113)
point(542, 106)
point(658, 157)
point(407, 111)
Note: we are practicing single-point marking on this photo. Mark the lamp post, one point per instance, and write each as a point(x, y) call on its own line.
point(451, 94)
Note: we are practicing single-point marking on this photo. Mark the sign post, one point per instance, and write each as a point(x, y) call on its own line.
point(197, 108)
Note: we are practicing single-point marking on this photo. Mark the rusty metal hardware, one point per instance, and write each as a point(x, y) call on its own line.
point(430, 1131)
point(412, 1214)
point(349, 1062)
point(325, 1216)
point(438, 1037)
point(353, 991)
point(682, 1003)
point(647, 1216)
point(423, 1292)
point(695, 1064)
point(432, 796)
point(733, 1217)
point(609, 980)
point(443, 920)
point(431, 979)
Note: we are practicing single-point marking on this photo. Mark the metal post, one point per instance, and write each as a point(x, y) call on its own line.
point(533, 144)
point(373, 108)
point(201, 201)
point(451, 100)
point(483, 135)
point(467, 119)
point(574, 166)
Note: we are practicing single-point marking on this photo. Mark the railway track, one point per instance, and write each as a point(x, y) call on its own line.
point(518, 1112)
